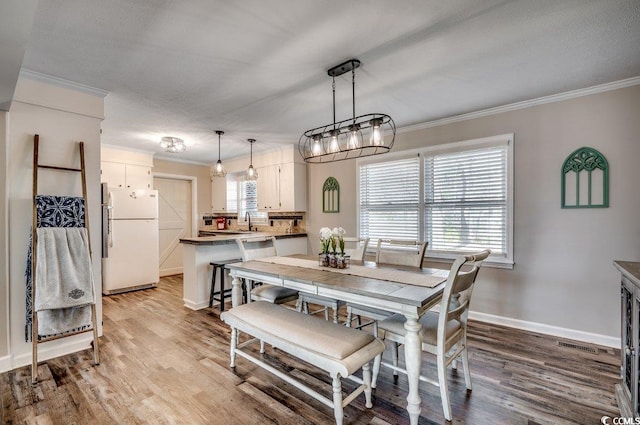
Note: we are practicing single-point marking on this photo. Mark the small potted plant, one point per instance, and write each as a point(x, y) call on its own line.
point(325, 239)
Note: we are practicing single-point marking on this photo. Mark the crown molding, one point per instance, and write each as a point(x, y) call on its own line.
point(61, 82)
point(524, 104)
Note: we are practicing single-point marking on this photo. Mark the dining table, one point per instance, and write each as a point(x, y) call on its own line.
point(396, 289)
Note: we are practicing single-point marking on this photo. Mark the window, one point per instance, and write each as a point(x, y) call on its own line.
point(390, 199)
point(242, 196)
point(455, 196)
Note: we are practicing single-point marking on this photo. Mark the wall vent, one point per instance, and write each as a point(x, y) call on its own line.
point(584, 348)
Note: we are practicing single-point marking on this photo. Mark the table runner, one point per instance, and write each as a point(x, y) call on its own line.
point(392, 275)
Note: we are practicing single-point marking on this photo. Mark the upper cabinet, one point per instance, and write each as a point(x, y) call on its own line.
point(219, 194)
point(282, 187)
point(127, 169)
point(268, 186)
point(293, 186)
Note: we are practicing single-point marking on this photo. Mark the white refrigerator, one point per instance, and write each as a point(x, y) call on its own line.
point(130, 257)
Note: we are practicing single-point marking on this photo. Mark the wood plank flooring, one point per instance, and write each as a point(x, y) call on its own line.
point(165, 364)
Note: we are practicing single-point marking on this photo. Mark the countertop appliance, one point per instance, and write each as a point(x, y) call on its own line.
point(131, 258)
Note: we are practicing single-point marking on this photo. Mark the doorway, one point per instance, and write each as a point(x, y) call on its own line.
point(175, 206)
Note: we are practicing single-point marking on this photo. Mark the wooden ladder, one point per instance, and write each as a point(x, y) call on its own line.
point(34, 313)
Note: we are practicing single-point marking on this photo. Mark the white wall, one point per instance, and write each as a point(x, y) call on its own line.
point(4, 266)
point(62, 117)
point(563, 282)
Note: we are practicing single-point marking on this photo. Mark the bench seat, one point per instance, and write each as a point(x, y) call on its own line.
point(338, 350)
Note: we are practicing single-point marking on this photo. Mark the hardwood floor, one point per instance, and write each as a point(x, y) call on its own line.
point(165, 364)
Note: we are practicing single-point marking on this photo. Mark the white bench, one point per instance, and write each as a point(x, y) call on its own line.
point(339, 350)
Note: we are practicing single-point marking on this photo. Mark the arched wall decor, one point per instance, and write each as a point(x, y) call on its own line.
point(585, 180)
point(331, 195)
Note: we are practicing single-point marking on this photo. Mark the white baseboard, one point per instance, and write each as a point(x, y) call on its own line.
point(45, 352)
point(605, 340)
point(171, 272)
point(195, 305)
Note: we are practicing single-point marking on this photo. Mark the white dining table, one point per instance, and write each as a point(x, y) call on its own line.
point(358, 285)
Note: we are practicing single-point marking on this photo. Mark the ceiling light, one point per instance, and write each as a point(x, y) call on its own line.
point(345, 139)
point(173, 144)
point(252, 174)
point(218, 169)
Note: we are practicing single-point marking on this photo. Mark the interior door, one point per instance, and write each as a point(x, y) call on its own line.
point(174, 208)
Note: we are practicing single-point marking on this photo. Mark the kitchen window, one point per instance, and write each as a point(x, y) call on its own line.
point(242, 196)
point(457, 196)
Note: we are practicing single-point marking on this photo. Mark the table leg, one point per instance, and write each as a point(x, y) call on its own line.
point(413, 360)
point(236, 291)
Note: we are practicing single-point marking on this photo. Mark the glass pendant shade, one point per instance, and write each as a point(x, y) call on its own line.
point(218, 170)
point(251, 174)
point(376, 138)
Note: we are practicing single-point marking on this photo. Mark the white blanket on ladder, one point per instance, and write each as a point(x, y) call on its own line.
point(64, 279)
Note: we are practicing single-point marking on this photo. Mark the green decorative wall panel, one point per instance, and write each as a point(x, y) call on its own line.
point(585, 180)
point(331, 195)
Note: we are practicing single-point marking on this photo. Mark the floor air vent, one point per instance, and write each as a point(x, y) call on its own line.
point(584, 348)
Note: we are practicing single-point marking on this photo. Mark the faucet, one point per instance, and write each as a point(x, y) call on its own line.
point(247, 217)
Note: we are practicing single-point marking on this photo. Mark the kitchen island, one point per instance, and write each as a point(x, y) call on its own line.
point(198, 252)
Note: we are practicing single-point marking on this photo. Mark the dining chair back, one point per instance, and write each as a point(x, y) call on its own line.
point(355, 247)
point(257, 247)
point(400, 252)
point(261, 247)
point(443, 333)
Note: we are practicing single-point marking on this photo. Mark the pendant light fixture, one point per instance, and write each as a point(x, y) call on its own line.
point(351, 138)
point(218, 169)
point(251, 174)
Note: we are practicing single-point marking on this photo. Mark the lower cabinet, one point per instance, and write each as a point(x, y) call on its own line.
point(628, 390)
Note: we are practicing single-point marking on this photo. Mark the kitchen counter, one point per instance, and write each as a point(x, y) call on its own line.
point(229, 237)
point(198, 252)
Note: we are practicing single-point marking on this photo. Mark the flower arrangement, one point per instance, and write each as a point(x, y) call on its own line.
point(334, 239)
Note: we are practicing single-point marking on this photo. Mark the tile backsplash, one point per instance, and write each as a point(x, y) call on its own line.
point(279, 222)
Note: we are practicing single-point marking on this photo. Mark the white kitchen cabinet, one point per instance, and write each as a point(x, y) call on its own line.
point(282, 187)
point(293, 186)
point(131, 176)
point(269, 188)
point(219, 194)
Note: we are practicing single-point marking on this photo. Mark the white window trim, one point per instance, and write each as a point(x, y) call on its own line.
point(496, 261)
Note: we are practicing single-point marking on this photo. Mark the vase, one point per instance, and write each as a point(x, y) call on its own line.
point(344, 261)
point(333, 261)
point(323, 259)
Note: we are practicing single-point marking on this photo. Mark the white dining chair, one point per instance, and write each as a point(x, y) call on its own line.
point(262, 247)
point(443, 333)
point(407, 253)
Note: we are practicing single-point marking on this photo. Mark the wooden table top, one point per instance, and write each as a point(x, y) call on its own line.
point(402, 293)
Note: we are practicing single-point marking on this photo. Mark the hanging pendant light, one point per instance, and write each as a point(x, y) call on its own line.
point(251, 174)
point(218, 170)
point(345, 139)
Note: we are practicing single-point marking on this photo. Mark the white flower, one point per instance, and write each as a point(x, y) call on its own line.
point(325, 233)
point(339, 232)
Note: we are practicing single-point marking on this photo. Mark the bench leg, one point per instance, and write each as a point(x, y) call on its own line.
point(349, 317)
point(337, 399)
point(335, 315)
point(261, 347)
point(394, 359)
point(236, 291)
point(234, 344)
point(366, 378)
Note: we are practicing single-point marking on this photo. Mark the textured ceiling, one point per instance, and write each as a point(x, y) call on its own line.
point(257, 68)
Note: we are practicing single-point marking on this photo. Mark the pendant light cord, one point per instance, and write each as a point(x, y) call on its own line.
point(333, 85)
point(353, 93)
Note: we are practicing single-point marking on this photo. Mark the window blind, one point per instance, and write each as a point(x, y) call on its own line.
point(465, 200)
point(390, 199)
point(232, 195)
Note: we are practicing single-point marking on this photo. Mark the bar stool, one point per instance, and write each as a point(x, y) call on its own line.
point(222, 293)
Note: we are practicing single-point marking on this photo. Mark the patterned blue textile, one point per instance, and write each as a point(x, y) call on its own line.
point(51, 211)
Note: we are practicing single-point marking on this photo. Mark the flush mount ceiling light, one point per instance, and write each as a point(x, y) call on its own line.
point(218, 169)
point(173, 144)
point(251, 174)
point(351, 138)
